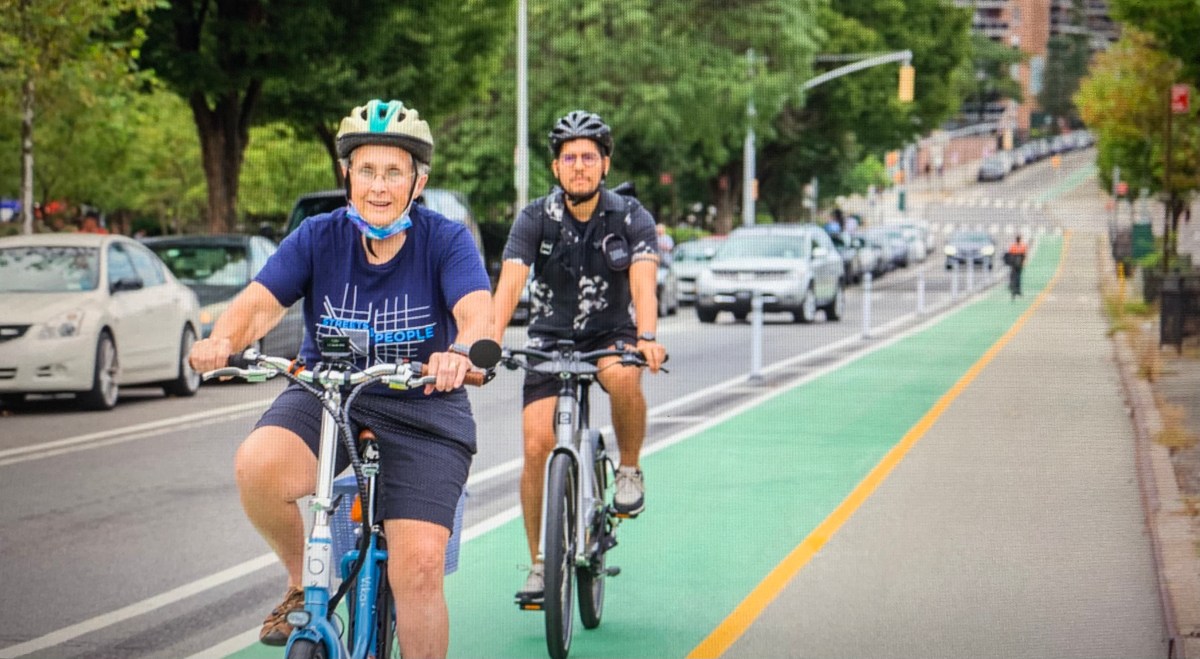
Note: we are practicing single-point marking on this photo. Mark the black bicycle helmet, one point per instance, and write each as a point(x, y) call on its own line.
point(581, 123)
point(389, 123)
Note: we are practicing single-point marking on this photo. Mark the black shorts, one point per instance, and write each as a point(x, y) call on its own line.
point(539, 385)
point(425, 460)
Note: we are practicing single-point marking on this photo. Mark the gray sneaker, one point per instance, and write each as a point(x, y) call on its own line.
point(630, 498)
point(534, 589)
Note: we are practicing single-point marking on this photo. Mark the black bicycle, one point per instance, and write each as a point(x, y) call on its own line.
point(579, 522)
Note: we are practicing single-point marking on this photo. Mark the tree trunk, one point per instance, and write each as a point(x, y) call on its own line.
point(27, 154)
point(723, 191)
point(224, 134)
point(329, 141)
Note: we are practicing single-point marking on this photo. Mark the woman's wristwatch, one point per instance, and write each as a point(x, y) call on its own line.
point(647, 336)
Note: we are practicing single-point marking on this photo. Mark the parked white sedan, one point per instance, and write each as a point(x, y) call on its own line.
point(87, 314)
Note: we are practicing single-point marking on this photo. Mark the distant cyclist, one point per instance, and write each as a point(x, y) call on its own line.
point(402, 282)
point(594, 283)
point(1015, 259)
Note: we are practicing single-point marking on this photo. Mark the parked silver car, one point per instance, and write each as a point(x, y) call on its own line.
point(689, 259)
point(794, 267)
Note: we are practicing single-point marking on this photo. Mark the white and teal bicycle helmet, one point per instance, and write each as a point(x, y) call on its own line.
point(389, 123)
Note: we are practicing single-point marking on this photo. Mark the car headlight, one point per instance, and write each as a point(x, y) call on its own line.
point(987, 250)
point(63, 326)
point(951, 250)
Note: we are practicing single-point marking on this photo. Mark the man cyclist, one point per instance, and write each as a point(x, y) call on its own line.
point(1015, 259)
point(402, 282)
point(600, 260)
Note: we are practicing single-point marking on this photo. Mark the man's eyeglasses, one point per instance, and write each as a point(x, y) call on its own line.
point(367, 175)
point(588, 159)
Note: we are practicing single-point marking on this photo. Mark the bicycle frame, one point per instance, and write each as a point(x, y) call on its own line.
point(318, 556)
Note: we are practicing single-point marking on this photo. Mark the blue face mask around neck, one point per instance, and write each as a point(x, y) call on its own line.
point(379, 233)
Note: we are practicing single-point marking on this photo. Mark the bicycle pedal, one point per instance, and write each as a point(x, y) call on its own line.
point(530, 605)
point(612, 571)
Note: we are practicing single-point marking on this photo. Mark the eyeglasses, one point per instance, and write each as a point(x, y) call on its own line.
point(588, 159)
point(367, 175)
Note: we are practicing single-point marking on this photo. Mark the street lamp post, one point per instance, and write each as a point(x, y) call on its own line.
point(748, 153)
point(521, 153)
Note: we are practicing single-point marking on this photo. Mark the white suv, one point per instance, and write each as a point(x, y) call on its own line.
point(794, 267)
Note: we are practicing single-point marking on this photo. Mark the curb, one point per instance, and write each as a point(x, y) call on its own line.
point(1171, 535)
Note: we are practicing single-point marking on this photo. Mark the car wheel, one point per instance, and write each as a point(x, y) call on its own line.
point(807, 312)
point(105, 391)
point(664, 306)
point(837, 306)
point(706, 315)
point(188, 381)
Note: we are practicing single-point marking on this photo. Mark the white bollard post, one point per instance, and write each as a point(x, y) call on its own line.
point(756, 338)
point(921, 291)
point(866, 288)
point(954, 280)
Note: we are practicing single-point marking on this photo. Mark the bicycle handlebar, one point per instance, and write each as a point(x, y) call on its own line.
point(558, 362)
point(254, 367)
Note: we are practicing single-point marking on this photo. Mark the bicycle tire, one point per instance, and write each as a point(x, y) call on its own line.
point(560, 556)
point(589, 579)
point(306, 648)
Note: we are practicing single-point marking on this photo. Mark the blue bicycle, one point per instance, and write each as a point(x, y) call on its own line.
point(371, 610)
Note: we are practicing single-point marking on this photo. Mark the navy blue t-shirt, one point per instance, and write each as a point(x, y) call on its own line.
point(402, 309)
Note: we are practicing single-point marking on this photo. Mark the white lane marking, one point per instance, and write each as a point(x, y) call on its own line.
point(138, 608)
point(140, 430)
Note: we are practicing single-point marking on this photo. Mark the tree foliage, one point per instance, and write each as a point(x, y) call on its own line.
point(1124, 99)
point(1174, 26)
point(308, 63)
point(69, 48)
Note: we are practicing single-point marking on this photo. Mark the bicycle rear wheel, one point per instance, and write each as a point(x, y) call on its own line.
point(560, 555)
point(591, 577)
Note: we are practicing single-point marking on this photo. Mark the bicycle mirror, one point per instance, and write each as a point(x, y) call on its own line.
point(484, 353)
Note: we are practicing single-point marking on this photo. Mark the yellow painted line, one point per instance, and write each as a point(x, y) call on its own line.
point(736, 624)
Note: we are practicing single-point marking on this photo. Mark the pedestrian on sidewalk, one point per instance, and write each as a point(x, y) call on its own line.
point(1014, 258)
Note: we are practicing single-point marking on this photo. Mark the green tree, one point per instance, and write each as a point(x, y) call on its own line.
point(1173, 24)
point(306, 63)
point(847, 119)
point(68, 46)
point(1067, 58)
point(670, 76)
point(1124, 99)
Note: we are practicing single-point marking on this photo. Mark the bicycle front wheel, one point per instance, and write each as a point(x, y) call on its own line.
point(560, 555)
point(385, 619)
point(591, 577)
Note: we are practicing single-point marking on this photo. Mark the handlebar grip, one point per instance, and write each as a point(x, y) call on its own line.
point(474, 378)
point(238, 360)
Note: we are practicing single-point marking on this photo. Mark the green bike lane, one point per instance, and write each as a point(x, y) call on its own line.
point(728, 504)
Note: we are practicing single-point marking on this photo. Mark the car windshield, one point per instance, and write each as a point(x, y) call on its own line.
point(49, 269)
point(970, 238)
point(693, 251)
point(207, 265)
point(783, 247)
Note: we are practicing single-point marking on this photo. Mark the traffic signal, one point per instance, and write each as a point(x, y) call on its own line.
point(907, 77)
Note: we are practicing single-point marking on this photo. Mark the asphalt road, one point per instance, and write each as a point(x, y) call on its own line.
point(123, 536)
